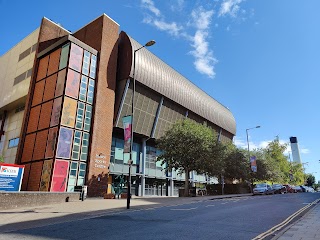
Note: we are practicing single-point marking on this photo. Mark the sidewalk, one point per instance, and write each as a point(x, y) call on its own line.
point(307, 228)
point(28, 217)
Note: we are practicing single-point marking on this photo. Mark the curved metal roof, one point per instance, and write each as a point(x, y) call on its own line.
point(157, 75)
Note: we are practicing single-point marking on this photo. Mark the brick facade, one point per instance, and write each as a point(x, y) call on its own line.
point(102, 35)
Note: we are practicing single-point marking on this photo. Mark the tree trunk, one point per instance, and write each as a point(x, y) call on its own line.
point(186, 183)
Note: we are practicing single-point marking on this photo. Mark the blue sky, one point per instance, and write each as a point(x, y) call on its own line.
point(258, 58)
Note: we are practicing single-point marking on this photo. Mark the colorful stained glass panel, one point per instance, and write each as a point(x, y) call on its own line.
point(75, 60)
point(73, 82)
point(64, 143)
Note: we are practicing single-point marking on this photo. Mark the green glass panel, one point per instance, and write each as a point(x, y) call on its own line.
point(64, 56)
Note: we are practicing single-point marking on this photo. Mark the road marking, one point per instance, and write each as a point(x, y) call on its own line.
point(183, 209)
point(285, 222)
point(210, 206)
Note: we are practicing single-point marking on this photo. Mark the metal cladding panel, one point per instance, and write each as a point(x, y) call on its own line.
point(157, 75)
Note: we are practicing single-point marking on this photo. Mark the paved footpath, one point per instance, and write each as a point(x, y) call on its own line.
point(307, 228)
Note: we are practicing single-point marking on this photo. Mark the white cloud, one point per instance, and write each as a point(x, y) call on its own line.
point(204, 59)
point(172, 27)
point(229, 7)
point(149, 4)
point(177, 5)
point(197, 30)
point(305, 151)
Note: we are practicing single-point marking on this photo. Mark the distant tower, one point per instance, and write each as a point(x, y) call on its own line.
point(295, 150)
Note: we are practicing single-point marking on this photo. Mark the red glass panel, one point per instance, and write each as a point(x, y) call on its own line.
point(60, 175)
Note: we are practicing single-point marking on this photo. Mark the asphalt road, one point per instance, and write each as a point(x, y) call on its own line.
point(236, 218)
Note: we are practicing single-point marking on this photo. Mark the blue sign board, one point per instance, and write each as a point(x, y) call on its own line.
point(10, 177)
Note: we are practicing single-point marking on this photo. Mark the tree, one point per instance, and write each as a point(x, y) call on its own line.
point(277, 161)
point(186, 147)
point(1, 159)
point(310, 179)
point(235, 163)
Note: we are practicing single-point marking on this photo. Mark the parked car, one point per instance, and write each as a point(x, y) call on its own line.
point(290, 188)
point(262, 189)
point(279, 188)
point(298, 188)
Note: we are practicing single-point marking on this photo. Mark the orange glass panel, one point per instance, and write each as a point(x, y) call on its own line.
point(38, 93)
point(69, 112)
point(54, 62)
point(50, 87)
point(42, 69)
point(44, 119)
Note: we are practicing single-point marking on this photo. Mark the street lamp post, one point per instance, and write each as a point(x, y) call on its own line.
point(247, 130)
point(148, 44)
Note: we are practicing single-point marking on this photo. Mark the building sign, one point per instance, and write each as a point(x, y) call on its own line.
point(100, 161)
point(253, 161)
point(10, 177)
point(127, 127)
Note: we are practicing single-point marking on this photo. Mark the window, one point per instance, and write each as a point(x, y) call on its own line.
point(87, 121)
point(84, 147)
point(90, 91)
point(80, 113)
point(86, 62)
point(76, 145)
point(83, 88)
point(13, 142)
point(93, 66)
point(81, 174)
point(72, 176)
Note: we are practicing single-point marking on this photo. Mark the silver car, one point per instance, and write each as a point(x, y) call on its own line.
point(262, 189)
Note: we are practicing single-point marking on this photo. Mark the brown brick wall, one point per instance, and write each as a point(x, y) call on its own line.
point(45, 115)
point(49, 33)
point(35, 175)
point(50, 87)
point(102, 35)
point(33, 119)
point(54, 61)
point(25, 177)
point(40, 145)
point(28, 148)
point(38, 93)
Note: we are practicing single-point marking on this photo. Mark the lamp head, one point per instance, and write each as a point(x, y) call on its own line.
point(150, 43)
point(258, 126)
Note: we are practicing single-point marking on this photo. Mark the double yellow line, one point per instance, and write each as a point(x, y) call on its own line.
point(282, 224)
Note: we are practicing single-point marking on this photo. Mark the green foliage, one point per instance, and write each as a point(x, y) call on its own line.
point(186, 147)
point(310, 179)
point(1, 159)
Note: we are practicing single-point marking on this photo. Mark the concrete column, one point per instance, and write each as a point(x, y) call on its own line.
point(143, 167)
point(171, 188)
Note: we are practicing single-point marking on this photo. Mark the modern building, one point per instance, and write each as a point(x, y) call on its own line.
point(63, 97)
point(295, 150)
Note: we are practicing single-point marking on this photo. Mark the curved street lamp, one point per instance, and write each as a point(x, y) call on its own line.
point(148, 44)
point(247, 130)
